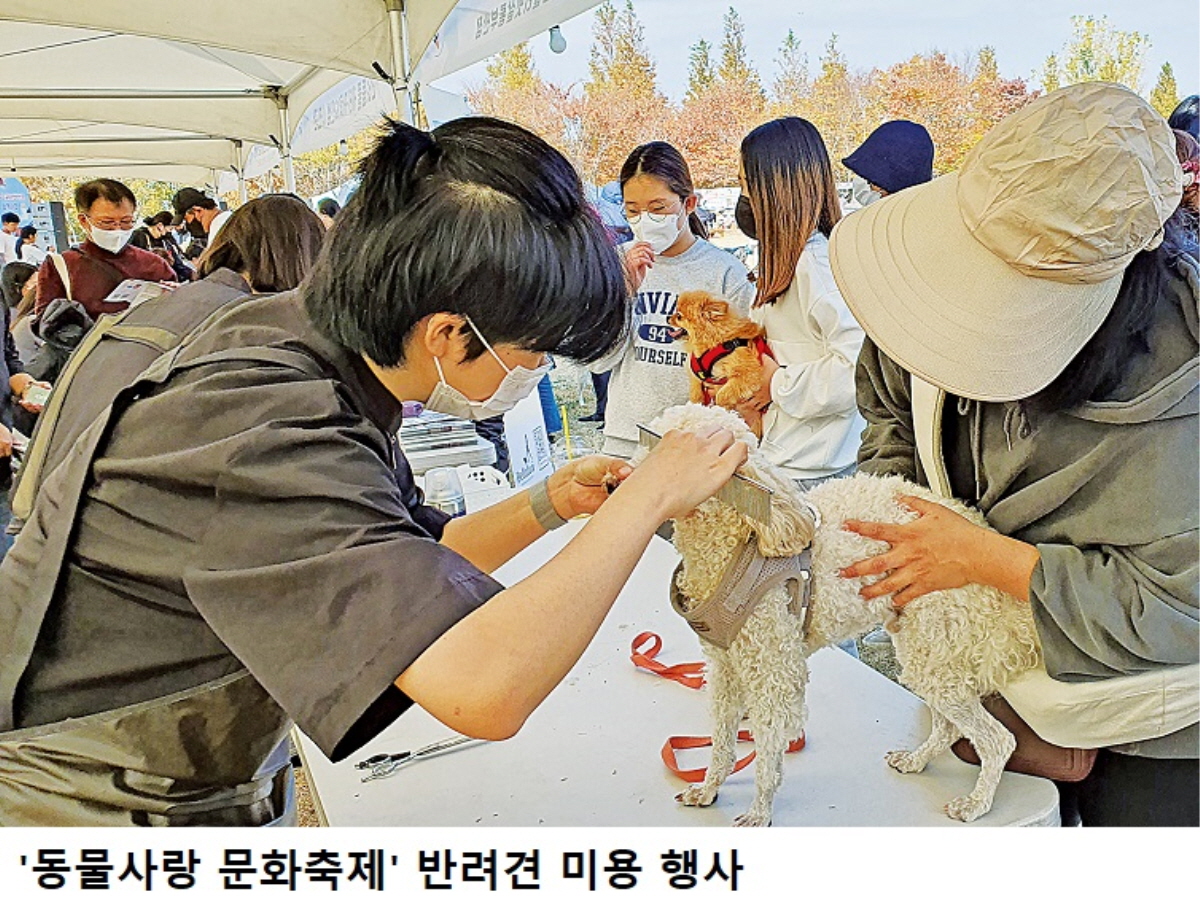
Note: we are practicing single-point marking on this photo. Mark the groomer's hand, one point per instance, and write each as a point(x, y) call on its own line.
point(684, 470)
point(638, 260)
point(581, 486)
point(5, 441)
point(940, 550)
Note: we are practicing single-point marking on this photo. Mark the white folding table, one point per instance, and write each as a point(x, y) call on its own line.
point(590, 755)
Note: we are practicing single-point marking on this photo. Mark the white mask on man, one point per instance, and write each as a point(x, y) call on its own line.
point(659, 230)
point(518, 382)
point(111, 240)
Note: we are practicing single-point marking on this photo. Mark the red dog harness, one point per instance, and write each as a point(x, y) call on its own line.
point(702, 366)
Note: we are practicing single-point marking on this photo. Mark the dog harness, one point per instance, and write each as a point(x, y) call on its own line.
point(702, 366)
point(749, 576)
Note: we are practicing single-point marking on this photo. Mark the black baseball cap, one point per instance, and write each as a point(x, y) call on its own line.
point(187, 198)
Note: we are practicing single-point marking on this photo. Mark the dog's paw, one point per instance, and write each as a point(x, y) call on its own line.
point(904, 762)
point(697, 795)
point(966, 808)
point(752, 819)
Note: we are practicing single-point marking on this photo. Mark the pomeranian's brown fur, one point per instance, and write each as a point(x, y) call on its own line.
point(707, 322)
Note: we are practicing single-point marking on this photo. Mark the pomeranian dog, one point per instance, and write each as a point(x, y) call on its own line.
point(726, 354)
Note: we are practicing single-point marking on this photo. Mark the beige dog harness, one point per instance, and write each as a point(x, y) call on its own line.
point(745, 581)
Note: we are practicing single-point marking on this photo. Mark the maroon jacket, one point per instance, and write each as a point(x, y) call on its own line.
point(96, 272)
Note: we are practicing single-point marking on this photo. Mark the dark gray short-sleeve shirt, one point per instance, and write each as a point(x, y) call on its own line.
point(251, 514)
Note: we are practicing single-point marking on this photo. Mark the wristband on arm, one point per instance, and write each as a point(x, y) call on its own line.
point(543, 507)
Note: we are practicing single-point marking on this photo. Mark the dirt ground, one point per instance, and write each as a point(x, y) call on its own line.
point(579, 401)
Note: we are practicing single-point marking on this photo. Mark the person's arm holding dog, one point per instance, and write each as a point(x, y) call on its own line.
point(941, 550)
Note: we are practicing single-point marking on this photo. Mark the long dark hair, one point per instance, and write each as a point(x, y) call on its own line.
point(662, 161)
point(274, 239)
point(1104, 362)
point(792, 193)
point(28, 232)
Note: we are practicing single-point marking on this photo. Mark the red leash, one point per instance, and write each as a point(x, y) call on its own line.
point(690, 676)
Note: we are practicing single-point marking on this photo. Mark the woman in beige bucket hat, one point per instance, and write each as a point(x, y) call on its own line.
point(1034, 294)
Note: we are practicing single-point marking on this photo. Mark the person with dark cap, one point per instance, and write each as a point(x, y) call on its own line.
point(200, 213)
point(1186, 116)
point(327, 210)
point(897, 155)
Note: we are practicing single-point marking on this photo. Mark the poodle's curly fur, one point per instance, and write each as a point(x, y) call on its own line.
point(954, 647)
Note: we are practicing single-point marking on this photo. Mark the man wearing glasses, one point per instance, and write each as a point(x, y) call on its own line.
point(97, 266)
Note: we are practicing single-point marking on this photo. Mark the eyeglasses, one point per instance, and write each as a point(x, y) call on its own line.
point(107, 223)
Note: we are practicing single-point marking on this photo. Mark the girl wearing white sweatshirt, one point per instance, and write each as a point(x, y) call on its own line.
point(789, 204)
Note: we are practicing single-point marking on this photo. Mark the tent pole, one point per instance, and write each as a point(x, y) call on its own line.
point(240, 149)
point(401, 74)
point(285, 143)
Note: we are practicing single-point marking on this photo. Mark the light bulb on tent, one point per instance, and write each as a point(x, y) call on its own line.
point(343, 148)
point(558, 43)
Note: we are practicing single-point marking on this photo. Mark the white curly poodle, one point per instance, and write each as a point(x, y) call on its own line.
point(955, 647)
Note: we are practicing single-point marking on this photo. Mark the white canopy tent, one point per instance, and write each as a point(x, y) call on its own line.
point(166, 84)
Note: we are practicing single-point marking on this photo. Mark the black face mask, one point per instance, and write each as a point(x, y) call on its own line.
point(195, 228)
point(743, 215)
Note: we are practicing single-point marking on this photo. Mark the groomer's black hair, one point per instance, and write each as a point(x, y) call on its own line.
point(479, 218)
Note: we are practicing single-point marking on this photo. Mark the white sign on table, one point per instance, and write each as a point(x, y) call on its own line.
point(528, 444)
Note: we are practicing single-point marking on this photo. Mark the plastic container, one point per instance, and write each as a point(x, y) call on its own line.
point(444, 490)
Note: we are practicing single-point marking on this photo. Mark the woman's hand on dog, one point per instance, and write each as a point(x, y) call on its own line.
point(761, 399)
point(638, 260)
point(940, 550)
point(684, 470)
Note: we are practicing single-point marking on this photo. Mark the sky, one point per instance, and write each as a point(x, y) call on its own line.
point(879, 34)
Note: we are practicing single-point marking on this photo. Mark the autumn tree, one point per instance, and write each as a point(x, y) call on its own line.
point(1050, 73)
point(838, 105)
point(513, 69)
point(792, 83)
point(992, 97)
point(621, 106)
point(700, 70)
point(710, 125)
point(1100, 51)
point(735, 67)
point(1165, 95)
point(515, 91)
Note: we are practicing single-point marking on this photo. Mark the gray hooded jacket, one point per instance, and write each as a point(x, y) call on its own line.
point(1108, 492)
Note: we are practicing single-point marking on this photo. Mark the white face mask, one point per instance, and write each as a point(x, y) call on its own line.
point(518, 382)
point(862, 191)
point(659, 230)
point(112, 240)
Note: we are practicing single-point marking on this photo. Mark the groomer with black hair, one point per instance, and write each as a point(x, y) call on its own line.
point(183, 592)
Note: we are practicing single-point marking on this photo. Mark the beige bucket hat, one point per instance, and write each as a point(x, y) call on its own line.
point(988, 281)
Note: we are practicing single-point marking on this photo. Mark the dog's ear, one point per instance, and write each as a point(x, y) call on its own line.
point(714, 310)
point(793, 521)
